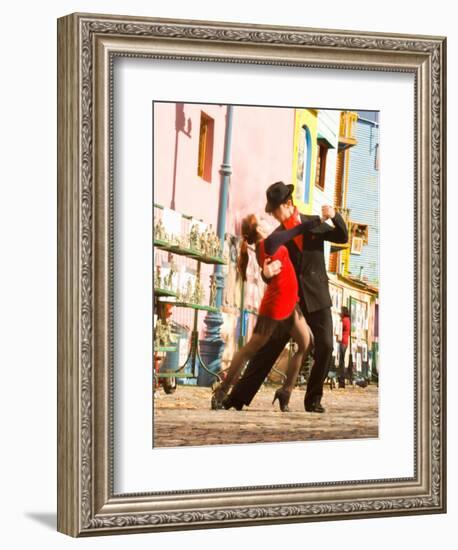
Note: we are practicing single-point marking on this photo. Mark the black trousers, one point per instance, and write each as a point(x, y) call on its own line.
point(342, 350)
point(259, 367)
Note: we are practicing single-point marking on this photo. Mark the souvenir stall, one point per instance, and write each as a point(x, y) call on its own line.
point(185, 250)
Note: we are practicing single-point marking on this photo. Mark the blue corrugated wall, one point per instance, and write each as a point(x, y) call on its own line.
point(363, 198)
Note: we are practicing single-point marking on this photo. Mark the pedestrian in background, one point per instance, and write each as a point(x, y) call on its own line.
point(343, 343)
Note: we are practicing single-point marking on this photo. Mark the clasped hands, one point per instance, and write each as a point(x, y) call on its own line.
point(271, 268)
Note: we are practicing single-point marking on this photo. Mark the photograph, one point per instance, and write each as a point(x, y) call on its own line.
point(266, 273)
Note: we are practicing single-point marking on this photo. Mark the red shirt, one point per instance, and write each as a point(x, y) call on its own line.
point(281, 295)
point(345, 330)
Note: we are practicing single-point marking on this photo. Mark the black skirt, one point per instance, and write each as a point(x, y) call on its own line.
point(275, 328)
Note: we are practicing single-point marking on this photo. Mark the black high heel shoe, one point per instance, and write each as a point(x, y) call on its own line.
point(283, 399)
point(218, 396)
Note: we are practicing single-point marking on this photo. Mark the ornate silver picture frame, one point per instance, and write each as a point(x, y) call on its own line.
point(87, 47)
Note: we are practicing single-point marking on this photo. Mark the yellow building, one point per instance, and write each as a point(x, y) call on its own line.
point(304, 158)
point(340, 253)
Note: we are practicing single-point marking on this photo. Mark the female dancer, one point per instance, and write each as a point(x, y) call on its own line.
point(279, 307)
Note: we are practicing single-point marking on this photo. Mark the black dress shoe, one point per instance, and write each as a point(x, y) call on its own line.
point(228, 402)
point(314, 406)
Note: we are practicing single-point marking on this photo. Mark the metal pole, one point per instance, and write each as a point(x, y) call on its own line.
point(212, 346)
point(226, 172)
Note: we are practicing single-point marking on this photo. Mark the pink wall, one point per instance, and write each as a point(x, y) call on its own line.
point(193, 195)
point(262, 152)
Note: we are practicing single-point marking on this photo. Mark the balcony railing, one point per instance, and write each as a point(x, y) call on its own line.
point(347, 129)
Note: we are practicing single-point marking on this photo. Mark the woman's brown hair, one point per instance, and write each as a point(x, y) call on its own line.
point(249, 236)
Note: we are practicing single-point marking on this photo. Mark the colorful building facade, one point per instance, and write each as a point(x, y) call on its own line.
point(363, 202)
point(304, 160)
point(354, 266)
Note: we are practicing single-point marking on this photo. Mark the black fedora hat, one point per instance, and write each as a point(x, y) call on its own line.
point(277, 194)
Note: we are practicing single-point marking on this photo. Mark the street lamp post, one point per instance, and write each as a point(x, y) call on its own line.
point(212, 345)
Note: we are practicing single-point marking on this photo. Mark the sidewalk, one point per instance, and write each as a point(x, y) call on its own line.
point(185, 418)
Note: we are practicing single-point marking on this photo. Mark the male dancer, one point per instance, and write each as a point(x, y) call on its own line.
point(307, 255)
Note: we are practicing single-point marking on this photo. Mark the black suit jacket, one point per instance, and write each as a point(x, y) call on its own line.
point(309, 264)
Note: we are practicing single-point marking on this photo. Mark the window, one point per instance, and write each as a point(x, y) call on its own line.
point(360, 230)
point(205, 161)
point(356, 245)
point(304, 157)
point(321, 164)
point(359, 236)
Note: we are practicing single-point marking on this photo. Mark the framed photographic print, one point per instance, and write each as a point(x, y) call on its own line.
point(251, 274)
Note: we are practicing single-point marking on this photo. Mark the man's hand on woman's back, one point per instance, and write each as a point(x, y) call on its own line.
point(271, 268)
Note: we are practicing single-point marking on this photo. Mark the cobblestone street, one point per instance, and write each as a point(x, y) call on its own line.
point(185, 418)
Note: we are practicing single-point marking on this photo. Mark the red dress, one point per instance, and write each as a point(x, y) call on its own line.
point(282, 292)
point(281, 297)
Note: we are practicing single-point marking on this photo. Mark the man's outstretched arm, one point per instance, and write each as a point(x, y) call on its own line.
point(336, 234)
